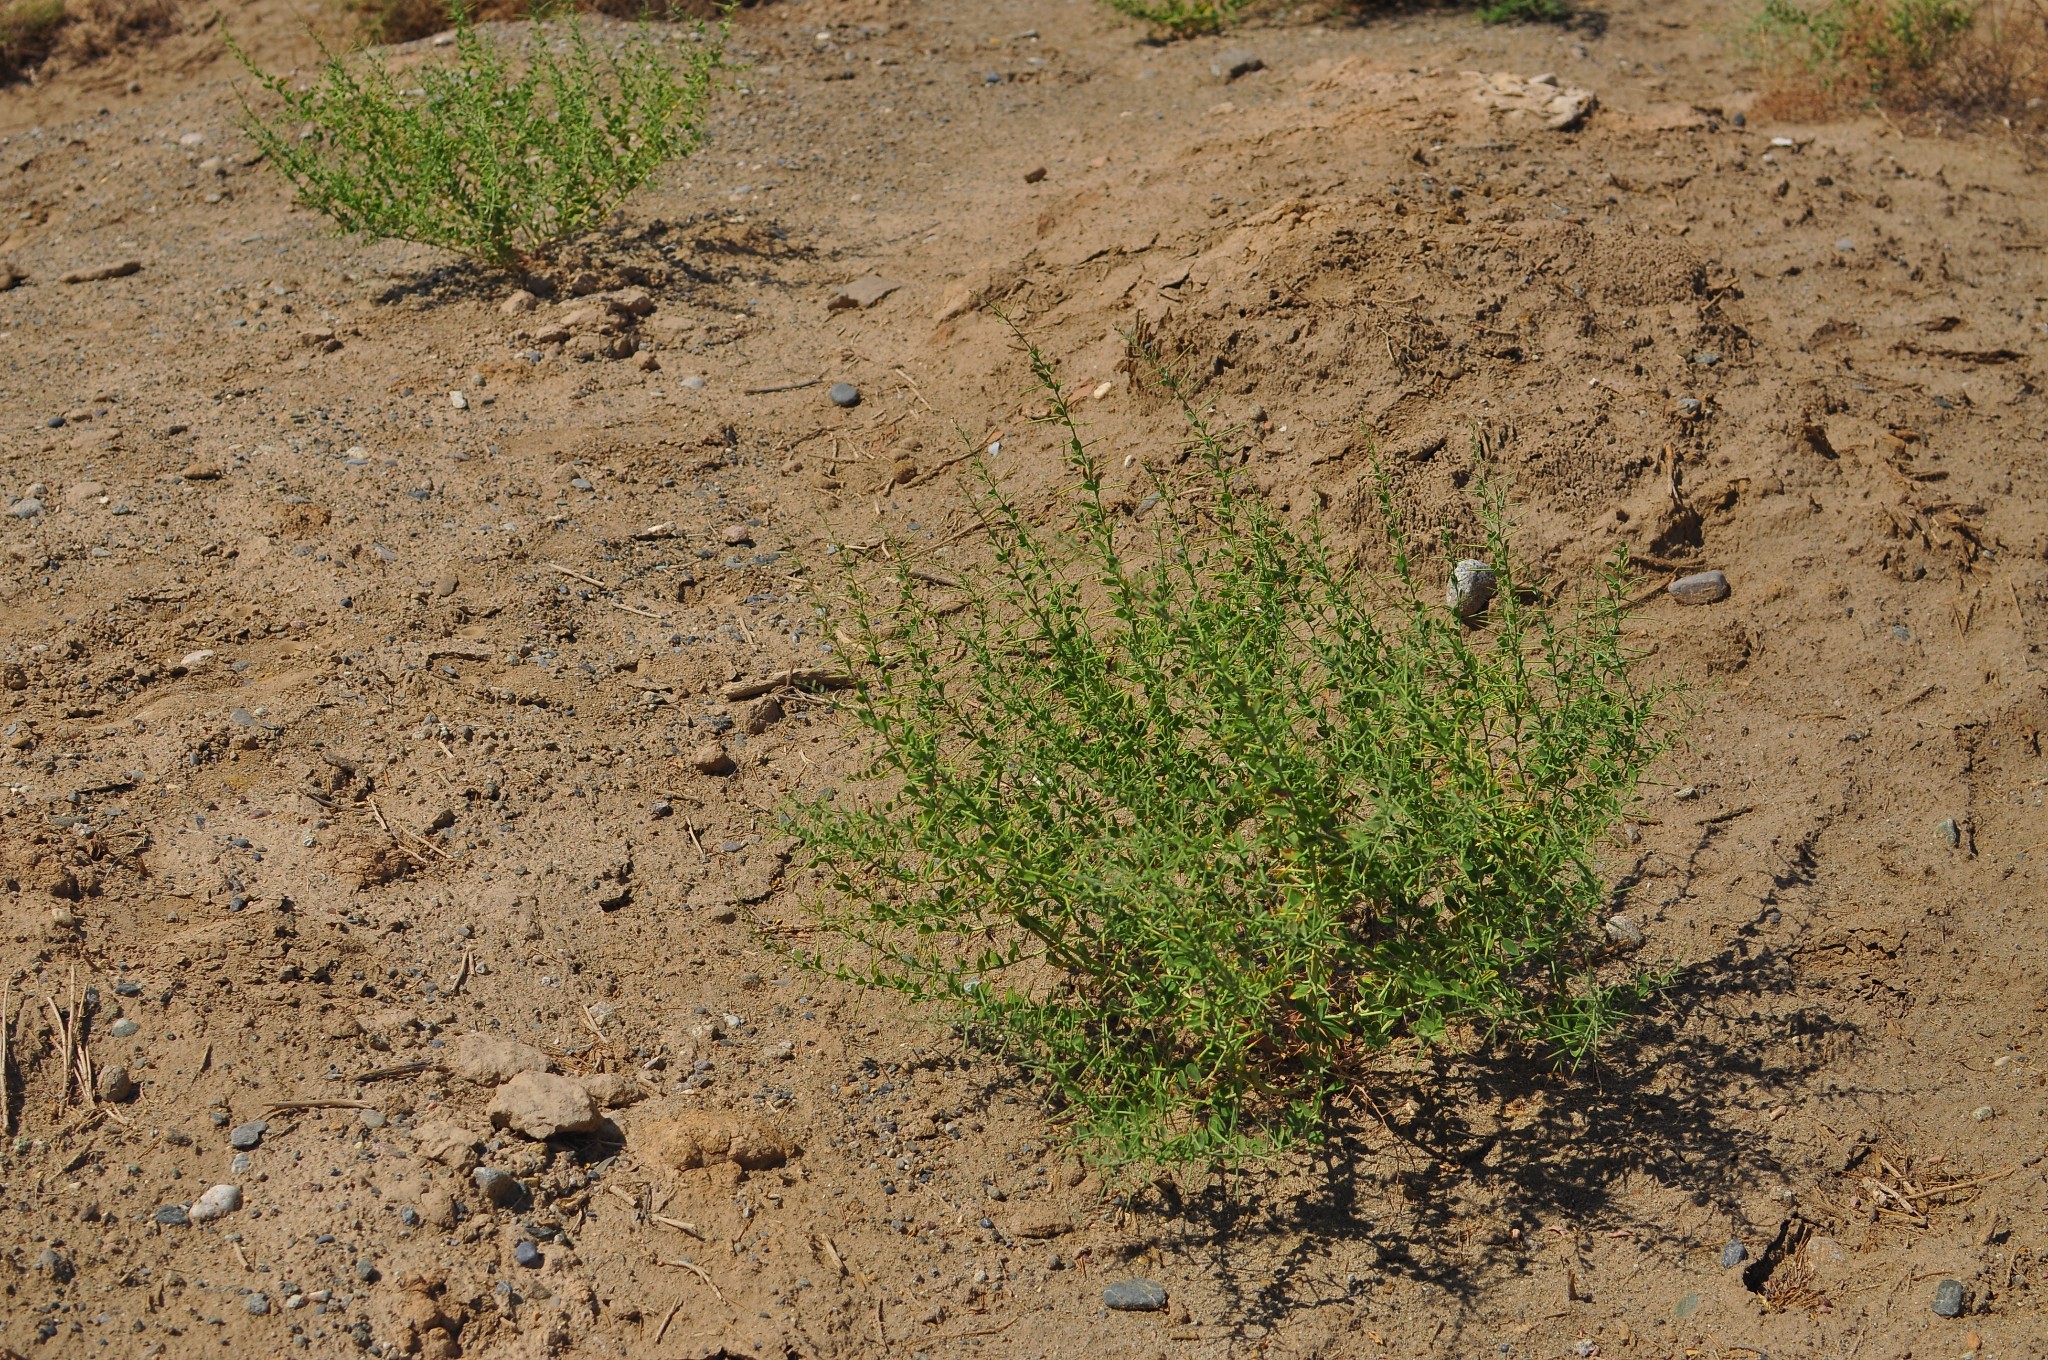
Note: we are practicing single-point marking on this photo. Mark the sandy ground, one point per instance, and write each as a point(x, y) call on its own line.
point(343, 721)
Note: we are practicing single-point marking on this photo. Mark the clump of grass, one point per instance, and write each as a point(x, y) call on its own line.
point(1966, 59)
point(400, 21)
point(1868, 46)
point(28, 30)
point(1523, 12)
point(31, 31)
point(1194, 819)
point(498, 155)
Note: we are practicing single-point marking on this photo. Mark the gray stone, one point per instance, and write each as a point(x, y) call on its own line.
point(1471, 589)
point(122, 1029)
point(28, 507)
point(842, 394)
point(115, 1086)
point(863, 292)
point(218, 1202)
point(543, 1106)
point(1622, 930)
point(1734, 1254)
point(257, 1304)
point(55, 1264)
point(528, 1255)
point(1702, 587)
point(1948, 1299)
point(1135, 1296)
point(1234, 62)
point(172, 1216)
point(247, 1136)
point(499, 1187)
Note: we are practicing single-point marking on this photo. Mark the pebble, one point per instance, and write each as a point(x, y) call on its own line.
point(710, 758)
point(1235, 62)
point(366, 1271)
point(489, 1059)
point(694, 383)
point(446, 586)
point(248, 1136)
point(257, 1304)
point(1471, 588)
point(115, 1086)
point(458, 401)
point(28, 507)
point(499, 1187)
point(528, 1255)
point(1622, 930)
point(1034, 174)
point(1135, 1296)
point(1951, 834)
point(172, 1216)
point(1983, 1113)
point(518, 304)
point(1734, 1254)
point(55, 1264)
point(120, 270)
point(1702, 587)
point(738, 536)
point(1948, 1299)
point(844, 394)
point(218, 1202)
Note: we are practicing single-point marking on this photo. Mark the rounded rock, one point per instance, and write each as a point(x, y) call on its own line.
point(1948, 1299)
point(28, 507)
point(1734, 1254)
point(115, 1086)
point(1471, 588)
point(710, 758)
point(1135, 1296)
point(528, 1255)
point(1702, 587)
point(842, 394)
point(244, 1137)
point(498, 1186)
point(122, 1029)
point(542, 1106)
point(257, 1304)
point(218, 1202)
point(172, 1216)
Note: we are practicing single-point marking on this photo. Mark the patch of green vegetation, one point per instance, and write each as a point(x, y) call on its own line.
point(1183, 18)
point(1193, 818)
point(1871, 45)
point(1524, 12)
point(28, 30)
point(498, 154)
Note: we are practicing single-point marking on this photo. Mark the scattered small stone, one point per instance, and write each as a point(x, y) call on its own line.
point(96, 273)
point(710, 758)
point(1622, 930)
point(257, 1304)
point(844, 394)
point(1734, 1254)
point(694, 382)
point(371, 1119)
point(1235, 62)
point(1702, 587)
point(248, 1136)
point(1034, 174)
point(498, 1186)
point(1135, 1296)
point(613, 1090)
point(761, 715)
point(55, 1264)
point(28, 507)
point(1982, 1113)
point(863, 292)
point(738, 536)
point(519, 304)
point(218, 1202)
point(437, 1207)
point(1950, 832)
point(172, 1216)
point(1471, 589)
point(543, 1106)
point(1948, 1299)
point(200, 472)
point(115, 1086)
point(458, 401)
point(528, 1255)
point(446, 1142)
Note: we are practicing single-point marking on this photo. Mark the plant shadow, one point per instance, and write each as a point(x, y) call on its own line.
point(1450, 1172)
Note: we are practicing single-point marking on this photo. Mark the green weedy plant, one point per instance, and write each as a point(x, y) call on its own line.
point(1193, 819)
point(1523, 12)
point(1183, 18)
point(1871, 45)
point(497, 155)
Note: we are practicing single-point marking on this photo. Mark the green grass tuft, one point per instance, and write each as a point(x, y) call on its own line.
point(1524, 12)
point(498, 155)
point(1193, 819)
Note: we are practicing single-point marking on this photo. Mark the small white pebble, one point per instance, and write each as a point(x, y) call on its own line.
point(1982, 1113)
point(458, 401)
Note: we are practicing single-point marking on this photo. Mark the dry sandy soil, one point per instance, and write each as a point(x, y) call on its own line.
point(341, 723)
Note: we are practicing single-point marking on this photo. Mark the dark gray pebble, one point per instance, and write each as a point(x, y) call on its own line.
point(1135, 1296)
point(528, 1255)
point(1734, 1254)
point(1948, 1298)
point(257, 1304)
point(244, 1137)
point(844, 394)
point(499, 1187)
point(366, 1271)
point(173, 1216)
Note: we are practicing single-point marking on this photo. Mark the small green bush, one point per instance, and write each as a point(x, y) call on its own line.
point(1869, 46)
point(497, 155)
point(1193, 819)
point(1523, 12)
point(1183, 18)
